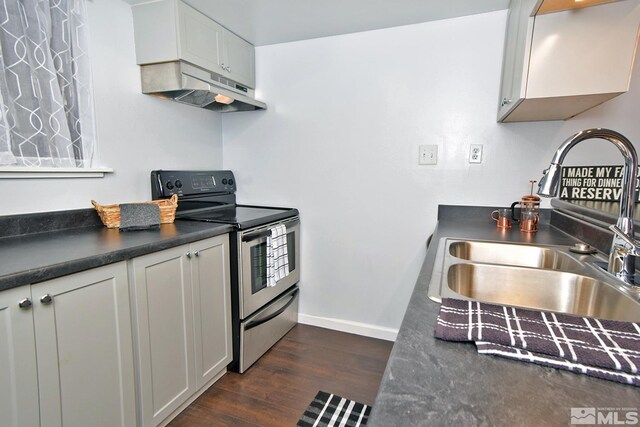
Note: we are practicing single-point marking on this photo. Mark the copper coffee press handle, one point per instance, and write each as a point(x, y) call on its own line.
point(513, 211)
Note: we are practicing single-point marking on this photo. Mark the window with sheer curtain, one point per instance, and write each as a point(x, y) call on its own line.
point(46, 101)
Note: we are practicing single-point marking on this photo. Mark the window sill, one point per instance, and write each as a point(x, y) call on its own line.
point(29, 173)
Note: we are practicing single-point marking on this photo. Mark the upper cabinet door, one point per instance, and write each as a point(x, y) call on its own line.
point(559, 64)
point(201, 39)
point(516, 55)
point(585, 51)
point(240, 60)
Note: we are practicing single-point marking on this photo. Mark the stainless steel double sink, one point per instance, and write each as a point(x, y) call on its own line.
point(538, 277)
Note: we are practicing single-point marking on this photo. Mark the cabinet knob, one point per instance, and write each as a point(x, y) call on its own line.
point(188, 254)
point(25, 303)
point(46, 299)
point(505, 101)
point(197, 253)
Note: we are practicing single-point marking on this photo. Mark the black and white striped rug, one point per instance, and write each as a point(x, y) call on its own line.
point(329, 410)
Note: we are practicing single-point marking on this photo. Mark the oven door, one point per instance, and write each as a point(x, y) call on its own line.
point(254, 292)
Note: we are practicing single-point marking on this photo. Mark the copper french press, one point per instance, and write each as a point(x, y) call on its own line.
point(529, 211)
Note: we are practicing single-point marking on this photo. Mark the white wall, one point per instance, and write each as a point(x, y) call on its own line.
point(136, 133)
point(340, 142)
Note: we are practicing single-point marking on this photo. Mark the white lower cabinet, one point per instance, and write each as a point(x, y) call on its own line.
point(211, 308)
point(183, 323)
point(80, 325)
point(18, 375)
point(67, 344)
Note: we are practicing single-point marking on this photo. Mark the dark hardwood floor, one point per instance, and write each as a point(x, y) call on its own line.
point(277, 389)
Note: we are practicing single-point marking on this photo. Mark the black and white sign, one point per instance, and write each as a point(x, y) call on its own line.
point(592, 183)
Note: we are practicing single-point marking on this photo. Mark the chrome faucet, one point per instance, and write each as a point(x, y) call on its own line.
point(624, 246)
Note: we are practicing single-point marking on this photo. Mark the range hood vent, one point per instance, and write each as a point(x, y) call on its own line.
point(191, 85)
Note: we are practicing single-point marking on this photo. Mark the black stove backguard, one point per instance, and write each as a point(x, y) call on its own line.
point(209, 196)
point(193, 185)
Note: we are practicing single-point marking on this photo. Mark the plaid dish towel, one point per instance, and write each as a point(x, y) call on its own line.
point(602, 348)
point(277, 255)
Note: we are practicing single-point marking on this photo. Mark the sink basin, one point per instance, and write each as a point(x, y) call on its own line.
point(542, 290)
point(537, 277)
point(512, 254)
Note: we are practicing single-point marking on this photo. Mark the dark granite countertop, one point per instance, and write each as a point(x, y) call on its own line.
point(428, 382)
point(33, 258)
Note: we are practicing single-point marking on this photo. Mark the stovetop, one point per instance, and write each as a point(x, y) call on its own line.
point(241, 216)
point(210, 196)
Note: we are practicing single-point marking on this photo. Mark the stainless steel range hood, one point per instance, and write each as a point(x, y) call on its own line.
point(191, 85)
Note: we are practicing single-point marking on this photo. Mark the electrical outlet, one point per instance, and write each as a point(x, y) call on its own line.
point(428, 155)
point(475, 153)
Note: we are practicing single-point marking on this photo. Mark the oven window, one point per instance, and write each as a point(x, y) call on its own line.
point(258, 267)
point(259, 262)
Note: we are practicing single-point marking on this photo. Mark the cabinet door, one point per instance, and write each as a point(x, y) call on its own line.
point(200, 39)
point(155, 31)
point(592, 54)
point(164, 321)
point(18, 373)
point(212, 307)
point(85, 351)
point(517, 48)
point(240, 60)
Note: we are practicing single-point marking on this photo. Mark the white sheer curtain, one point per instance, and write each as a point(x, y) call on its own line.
point(46, 101)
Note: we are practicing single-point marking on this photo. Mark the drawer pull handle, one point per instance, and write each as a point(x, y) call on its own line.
point(46, 299)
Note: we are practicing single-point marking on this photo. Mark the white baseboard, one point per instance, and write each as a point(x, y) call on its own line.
point(357, 328)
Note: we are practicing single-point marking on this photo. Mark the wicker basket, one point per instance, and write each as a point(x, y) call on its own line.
point(110, 214)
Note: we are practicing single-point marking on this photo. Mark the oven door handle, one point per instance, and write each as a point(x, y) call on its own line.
point(255, 236)
point(249, 237)
point(259, 322)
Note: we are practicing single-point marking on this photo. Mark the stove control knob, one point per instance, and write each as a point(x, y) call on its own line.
point(169, 185)
point(224, 181)
point(178, 183)
point(230, 182)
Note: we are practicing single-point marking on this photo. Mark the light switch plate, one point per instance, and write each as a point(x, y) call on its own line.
point(428, 155)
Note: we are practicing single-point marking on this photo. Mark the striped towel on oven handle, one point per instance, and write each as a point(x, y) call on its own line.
point(277, 255)
point(589, 345)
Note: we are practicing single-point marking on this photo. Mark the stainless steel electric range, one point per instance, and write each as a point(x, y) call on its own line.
point(262, 313)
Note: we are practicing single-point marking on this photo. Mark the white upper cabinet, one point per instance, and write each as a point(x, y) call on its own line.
point(560, 64)
point(170, 30)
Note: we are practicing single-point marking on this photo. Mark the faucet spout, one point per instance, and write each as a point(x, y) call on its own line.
point(621, 256)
